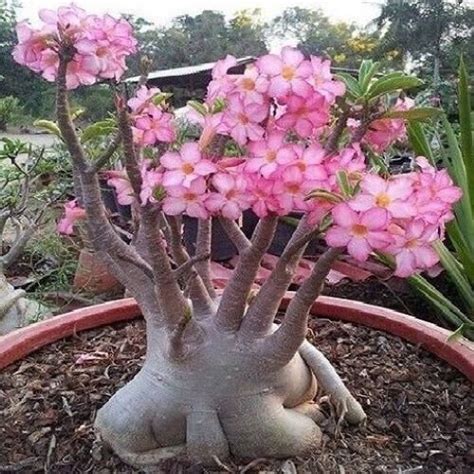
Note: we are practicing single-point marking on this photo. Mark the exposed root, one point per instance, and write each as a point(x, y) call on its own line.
point(148, 459)
point(347, 407)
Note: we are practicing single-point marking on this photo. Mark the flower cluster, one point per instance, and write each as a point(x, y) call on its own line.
point(384, 132)
point(400, 216)
point(151, 125)
point(278, 113)
point(98, 45)
point(302, 91)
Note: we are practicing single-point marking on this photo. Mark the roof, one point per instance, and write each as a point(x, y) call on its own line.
point(196, 76)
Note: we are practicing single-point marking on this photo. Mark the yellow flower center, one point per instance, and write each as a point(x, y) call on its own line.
point(243, 119)
point(383, 200)
point(411, 244)
point(288, 73)
point(189, 196)
point(248, 84)
point(271, 156)
point(187, 168)
point(359, 230)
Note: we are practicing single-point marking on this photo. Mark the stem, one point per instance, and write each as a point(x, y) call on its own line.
point(236, 293)
point(203, 247)
point(261, 313)
point(284, 342)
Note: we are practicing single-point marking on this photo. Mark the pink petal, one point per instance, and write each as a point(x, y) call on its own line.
point(359, 249)
point(337, 236)
point(344, 216)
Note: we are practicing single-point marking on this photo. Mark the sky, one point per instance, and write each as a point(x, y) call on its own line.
point(162, 11)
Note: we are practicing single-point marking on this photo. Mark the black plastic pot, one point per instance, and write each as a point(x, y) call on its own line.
point(283, 234)
point(109, 197)
point(221, 247)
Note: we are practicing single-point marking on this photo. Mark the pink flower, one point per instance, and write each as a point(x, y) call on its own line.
point(264, 201)
point(322, 80)
point(291, 190)
point(72, 213)
point(252, 85)
point(350, 160)
point(184, 167)
point(435, 193)
point(310, 165)
point(270, 154)
point(82, 70)
point(383, 132)
point(222, 83)
point(101, 45)
point(153, 126)
point(392, 195)
point(304, 115)
point(143, 97)
point(412, 247)
point(119, 180)
point(243, 119)
point(288, 73)
point(360, 232)
point(151, 180)
point(230, 198)
point(189, 200)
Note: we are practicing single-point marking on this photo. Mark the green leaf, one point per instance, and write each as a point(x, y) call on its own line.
point(367, 71)
point(161, 97)
point(325, 196)
point(445, 307)
point(351, 83)
point(455, 271)
point(344, 184)
point(49, 126)
point(385, 86)
point(98, 129)
point(198, 107)
point(466, 125)
point(460, 331)
point(420, 114)
point(419, 141)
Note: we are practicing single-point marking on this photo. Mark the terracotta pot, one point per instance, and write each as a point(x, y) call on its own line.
point(459, 353)
point(93, 276)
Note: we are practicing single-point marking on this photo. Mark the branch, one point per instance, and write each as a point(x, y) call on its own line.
point(333, 140)
point(284, 342)
point(203, 247)
point(235, 234)
point(186, 267)
point(235, 296)
point(106, 242)
point(203, 304)
point(107, 155)
point(259, 318)
point(171, 301)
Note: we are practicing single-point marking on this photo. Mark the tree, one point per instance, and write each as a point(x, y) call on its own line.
point(432, 32)
point(220, 376)
point(316, 34)
point(35, 95)
point(202, 38)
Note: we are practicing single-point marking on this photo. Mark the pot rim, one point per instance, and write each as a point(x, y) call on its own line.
point(459, 353)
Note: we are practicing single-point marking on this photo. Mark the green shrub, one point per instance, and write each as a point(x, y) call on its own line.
point(8, 107)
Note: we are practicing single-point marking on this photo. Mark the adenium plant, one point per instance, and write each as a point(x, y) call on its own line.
point(220, 376)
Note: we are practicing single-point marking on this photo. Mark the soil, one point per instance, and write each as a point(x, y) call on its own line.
point(420, 410)
point(395, 294)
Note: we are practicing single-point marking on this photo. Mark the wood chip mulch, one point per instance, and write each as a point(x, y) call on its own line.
point(420, 410)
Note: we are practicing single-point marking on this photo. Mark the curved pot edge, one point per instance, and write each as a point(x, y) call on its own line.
point(18, 344)
point(459, 353)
